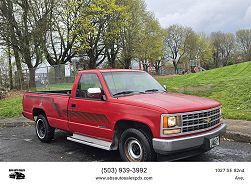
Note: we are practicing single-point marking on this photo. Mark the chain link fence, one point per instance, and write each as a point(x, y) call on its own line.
point(58, 77)
point(50, 78)
point(43, 78)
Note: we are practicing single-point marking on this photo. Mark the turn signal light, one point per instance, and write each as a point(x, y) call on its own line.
point(171, 131)
point(165, 122)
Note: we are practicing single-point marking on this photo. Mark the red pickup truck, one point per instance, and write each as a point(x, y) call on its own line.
point(129, 111)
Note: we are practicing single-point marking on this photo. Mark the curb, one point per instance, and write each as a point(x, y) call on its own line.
point(238, 137)
point(16, 124)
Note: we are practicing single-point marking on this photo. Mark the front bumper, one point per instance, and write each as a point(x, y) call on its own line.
point(163, 146)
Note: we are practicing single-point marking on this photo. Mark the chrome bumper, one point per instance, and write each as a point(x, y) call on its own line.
point(164, 146)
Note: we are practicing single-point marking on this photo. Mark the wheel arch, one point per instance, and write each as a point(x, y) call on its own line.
point(122, 125)
point(37, 111)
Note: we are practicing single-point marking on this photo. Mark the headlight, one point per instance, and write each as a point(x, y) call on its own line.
point(170, 125)
point(172, 121)
point(169, 122)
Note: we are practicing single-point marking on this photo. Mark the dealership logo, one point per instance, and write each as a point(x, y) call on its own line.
point(17, 174)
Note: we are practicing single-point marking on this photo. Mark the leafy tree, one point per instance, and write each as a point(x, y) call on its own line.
point(199, 48)
point(131, 32)
point(112, 36)
point(150, 45)
point(91, 27)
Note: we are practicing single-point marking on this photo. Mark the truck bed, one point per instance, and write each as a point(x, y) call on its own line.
point(53, 103)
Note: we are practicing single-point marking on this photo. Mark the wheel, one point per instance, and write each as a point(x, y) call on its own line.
point(136, 146)
point(44, 131)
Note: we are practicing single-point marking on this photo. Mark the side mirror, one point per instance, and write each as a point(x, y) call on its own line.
point(94, 91)
point(164, 87)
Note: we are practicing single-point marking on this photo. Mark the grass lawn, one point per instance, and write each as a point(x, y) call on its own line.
point(230, 85)
point(11, 107)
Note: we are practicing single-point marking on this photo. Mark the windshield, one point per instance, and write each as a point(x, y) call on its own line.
point(124, 83)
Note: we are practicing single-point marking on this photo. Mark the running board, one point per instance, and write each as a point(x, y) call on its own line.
point(90, 141)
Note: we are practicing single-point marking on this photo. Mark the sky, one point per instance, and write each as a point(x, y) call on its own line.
point(203, 15)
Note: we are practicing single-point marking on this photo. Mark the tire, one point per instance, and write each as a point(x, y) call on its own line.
point(136, 146)
point(44, 131)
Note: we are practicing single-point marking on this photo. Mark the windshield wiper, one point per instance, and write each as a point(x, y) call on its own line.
point(123, 93)
point(151, 90)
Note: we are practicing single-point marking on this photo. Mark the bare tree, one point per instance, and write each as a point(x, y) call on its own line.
point(224, 48)
point(57, 41)
point(6, 48)
point(157, 65)
point(26, 20)
point(9, 29)
point(176, 44)
point(243, 37)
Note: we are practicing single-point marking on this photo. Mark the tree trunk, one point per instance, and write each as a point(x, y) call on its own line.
point(127, 64)
point(32, 82)
point(157, 66)
point(14, 46)
point(59, 73)
point(145, 67)
point(176, 67)
point(113, 62)
point(157, 70)
point(92, 63)
point(113, 59)
point(10, 69)
point(20, 77)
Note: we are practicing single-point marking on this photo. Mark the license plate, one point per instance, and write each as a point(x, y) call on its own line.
point(214, 142)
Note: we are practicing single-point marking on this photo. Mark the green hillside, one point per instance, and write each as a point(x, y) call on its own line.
point(230, 85)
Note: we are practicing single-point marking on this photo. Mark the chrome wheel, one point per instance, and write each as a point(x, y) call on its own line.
point(133, 149)
point(41, 129)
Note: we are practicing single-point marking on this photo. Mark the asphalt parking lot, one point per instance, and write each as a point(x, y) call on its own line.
point(20, 144)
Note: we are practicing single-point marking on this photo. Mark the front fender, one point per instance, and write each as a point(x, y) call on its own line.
point(152, 123)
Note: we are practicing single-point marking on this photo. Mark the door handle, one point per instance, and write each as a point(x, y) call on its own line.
point(73, 105)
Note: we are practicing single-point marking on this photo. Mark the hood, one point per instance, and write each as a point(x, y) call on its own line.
point(170, 102)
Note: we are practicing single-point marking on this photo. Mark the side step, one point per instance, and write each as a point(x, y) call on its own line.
point(90, 141)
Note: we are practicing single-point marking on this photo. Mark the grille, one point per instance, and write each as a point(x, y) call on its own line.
point(195, 121)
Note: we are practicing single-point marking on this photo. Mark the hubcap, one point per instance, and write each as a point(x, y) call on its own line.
point(134, 149)
point(40, 129)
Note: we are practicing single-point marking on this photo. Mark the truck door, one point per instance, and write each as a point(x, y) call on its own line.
point(88, 113)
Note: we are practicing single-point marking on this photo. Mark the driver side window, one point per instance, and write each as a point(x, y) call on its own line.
point(88, 81)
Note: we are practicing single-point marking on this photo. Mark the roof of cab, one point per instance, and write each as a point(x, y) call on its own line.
point(110, 70)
